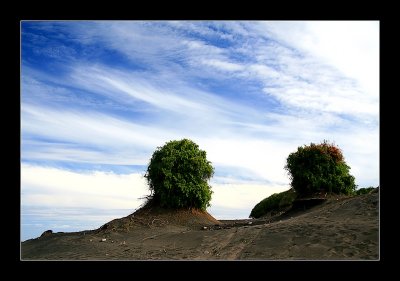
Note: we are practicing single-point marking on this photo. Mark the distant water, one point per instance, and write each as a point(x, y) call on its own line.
point(34, 221)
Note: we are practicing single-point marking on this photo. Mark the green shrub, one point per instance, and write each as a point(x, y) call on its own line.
point(319, 167)
point(364, 190)
point(274, 203)
point(178, 176)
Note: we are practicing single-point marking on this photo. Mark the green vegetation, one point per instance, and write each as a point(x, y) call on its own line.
point(275, 203)
point(319, 168)
point(364, 190)
point(178, 176)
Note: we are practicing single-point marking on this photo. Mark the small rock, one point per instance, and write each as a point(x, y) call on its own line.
point(250, 222)
point(112, 241)
point(204, 227)
point(206, 252)
point(103, 240)
point(91, 240)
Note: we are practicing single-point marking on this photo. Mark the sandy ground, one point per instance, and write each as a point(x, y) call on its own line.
point(338, 229)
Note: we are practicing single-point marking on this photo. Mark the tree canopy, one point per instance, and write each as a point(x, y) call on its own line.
point(178, 175)
point(319, 167)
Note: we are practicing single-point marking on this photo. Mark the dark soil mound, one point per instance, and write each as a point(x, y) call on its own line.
point(155, 216)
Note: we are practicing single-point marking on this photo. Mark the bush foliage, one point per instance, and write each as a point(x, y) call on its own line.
point(364, 190)
point(319, 167)
point(274, 203)
point(178, 175)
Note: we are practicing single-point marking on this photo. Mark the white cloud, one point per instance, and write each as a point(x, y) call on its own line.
point(57, 188)
point(242, 196)
point(223, 65)
point(350, 46)
point(110, 135)
point(120, 85)
point(266, 159)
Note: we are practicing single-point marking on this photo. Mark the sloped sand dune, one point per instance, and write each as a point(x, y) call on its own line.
point(341, 228)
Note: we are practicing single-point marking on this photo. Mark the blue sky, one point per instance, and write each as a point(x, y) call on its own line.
point(98, 97)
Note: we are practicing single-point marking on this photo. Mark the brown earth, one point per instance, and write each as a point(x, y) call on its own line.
point(339, 228)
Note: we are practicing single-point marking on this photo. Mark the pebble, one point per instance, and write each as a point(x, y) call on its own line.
point(103, 240)
point(206, 252)
point(250, 222)
point(204, 227)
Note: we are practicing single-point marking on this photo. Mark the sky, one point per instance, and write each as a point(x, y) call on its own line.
point(98, 98)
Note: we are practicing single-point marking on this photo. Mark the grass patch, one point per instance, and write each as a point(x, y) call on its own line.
point(274, 203)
